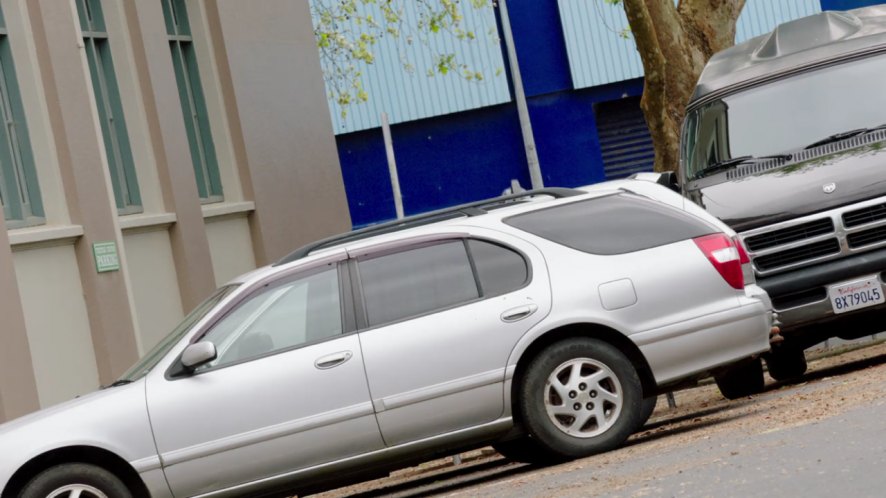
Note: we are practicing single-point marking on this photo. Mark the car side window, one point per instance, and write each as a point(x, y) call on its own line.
point(279, 317)
point(416, 281)
point(500, 270)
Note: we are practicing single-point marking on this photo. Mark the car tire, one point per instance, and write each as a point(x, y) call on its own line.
point(786, 363)
point(527, 450)
point(741, 380)
point(65, 480)
point(646, 409)
point(580, 397)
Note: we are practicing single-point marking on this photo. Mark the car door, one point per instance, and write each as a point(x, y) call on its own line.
point(441, 319)
point(287, 391)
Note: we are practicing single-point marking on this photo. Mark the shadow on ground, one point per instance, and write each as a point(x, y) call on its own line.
point(817, 374)
point(494, 468)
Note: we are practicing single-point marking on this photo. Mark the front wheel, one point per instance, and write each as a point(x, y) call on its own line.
point(646, 409)
point(786, 363)
point(580, 397)
point(75, 480)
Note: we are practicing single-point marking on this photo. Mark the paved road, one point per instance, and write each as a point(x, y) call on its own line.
point(823, 437)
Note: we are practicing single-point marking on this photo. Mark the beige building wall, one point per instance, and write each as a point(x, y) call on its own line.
point(230, 244)
point(69, 328)
point(158, 305)
point(56, 321)
point(273, 69)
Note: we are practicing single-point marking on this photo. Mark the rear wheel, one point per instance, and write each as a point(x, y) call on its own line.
point(741, 380)
point(75, 480)
point(646, 409)
point(580, 397)
point(786, 363)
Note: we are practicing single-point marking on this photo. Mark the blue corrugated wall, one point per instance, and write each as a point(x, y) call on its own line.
point(441, 161)
point(409, 96)
point(537, 36)
point(847, 4)
point(474, 154)
point(599, 55)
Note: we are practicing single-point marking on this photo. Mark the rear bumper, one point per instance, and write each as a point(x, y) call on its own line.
point(801, 299)
point(695, 346)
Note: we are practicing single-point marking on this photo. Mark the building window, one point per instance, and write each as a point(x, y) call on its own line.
point(193, 102)
point(19, 192)
point(110, 110)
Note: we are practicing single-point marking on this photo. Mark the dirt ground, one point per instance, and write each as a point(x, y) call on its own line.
point(837, 381)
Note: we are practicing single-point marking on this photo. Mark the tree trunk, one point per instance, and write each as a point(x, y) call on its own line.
point(674, 43)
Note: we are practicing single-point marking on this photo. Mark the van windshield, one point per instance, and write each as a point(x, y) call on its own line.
point(786, 115)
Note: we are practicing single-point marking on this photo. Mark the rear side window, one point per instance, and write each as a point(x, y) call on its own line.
point(614, 224)
point(499, 270)
point(417, 281)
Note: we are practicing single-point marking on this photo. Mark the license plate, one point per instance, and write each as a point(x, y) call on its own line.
point(855, 295)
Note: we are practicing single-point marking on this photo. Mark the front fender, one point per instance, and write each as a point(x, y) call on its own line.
point(113, 420)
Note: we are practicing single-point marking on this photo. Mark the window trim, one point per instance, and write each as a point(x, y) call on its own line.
point(117, 143)
point(192, 99)
point(175, 370)
point(25, 204)
point(363, 324)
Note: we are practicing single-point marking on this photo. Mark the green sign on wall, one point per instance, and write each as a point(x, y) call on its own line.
point(106, 258)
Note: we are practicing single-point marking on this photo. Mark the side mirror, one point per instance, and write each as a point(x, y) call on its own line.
point(669, 180)
point(198, 354)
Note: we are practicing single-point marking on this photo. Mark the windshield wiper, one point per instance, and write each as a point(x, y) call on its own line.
point(735, 162)
point(116, 383)
point(836, 137)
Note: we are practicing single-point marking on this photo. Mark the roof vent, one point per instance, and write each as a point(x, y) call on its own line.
point(808, 32)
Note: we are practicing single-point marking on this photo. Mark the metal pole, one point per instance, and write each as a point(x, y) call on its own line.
point(392, 165)
point(522, 108)
point(672, 401)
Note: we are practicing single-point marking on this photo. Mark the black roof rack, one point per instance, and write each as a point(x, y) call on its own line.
point(464, 210)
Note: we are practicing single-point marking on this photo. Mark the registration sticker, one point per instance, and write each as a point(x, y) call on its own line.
point(857, 294)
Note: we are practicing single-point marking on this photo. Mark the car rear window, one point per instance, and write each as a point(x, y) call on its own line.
point(614, 224)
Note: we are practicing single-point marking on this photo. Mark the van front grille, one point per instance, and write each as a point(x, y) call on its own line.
point(863, 216)
point(797, 255)
point(813, 239)
point(867, 237)
point(790, 234)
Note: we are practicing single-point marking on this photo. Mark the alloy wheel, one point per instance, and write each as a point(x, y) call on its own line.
point(77, 491)
point(583, 397)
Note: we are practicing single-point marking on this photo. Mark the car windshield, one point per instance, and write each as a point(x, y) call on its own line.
point(786, 115)
point(150, 360)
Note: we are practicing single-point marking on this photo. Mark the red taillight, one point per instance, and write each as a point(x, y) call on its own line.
point(725, 255)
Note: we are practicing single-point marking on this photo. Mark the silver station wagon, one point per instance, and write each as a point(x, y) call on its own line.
point(543, 323)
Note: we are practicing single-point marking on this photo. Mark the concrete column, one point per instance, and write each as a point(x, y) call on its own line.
point(153, 61)
point(86, 180)
point(270, 74)
point(18, 386)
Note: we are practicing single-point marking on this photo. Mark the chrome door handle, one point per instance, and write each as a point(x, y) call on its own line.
point(518, 313)
point(333, 360)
